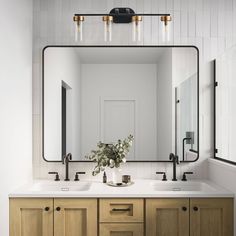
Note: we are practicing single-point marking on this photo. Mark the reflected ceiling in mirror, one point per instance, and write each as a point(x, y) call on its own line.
point(93, 94)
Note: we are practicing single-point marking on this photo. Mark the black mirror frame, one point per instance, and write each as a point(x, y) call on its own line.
point(122, 46)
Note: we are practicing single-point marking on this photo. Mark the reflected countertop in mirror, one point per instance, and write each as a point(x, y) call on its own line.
point(93, 94)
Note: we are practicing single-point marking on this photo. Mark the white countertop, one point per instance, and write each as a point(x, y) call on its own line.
point(142, 188)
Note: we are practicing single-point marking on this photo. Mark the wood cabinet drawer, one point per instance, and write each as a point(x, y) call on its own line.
point(121, 229)
point(121, 210)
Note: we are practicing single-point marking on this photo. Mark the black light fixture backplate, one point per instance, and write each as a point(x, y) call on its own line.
point(122, 14)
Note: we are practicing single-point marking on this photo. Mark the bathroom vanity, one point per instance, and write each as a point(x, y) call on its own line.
point(149, 207)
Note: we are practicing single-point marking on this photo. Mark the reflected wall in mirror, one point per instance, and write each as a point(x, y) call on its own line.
point(93, 94)
point(225, 109)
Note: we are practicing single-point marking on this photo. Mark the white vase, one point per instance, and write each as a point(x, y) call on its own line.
point(116, 175)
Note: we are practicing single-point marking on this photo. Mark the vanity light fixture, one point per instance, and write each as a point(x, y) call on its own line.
point(120, 15)
point(78, 21)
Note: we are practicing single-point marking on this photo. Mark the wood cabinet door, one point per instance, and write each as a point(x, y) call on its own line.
point(121, 229)
point(31, 216)
point(75, 217)
point(211, 217)
point(167, 217)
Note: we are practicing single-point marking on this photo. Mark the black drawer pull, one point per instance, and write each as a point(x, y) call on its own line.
point(184, 208)
point(46, 208)
point(58, 209)
point(120, 209)
point(195, 208)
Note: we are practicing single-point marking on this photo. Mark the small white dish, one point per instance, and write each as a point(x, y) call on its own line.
point(111, 183)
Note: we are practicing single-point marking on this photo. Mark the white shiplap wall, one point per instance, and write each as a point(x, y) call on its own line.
point(208, 24)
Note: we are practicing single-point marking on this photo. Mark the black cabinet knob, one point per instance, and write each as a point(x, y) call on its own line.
point(46, 208)
point(58, 209)
point(195, 208)
point(184, 208)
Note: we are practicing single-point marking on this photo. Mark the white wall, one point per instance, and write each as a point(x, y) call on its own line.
point(208, 24)
point(15, 100)
point(113, 106)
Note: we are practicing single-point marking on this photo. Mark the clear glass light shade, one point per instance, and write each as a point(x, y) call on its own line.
point(136, 29)
point(166, 31)
point(78, 31)
point(107, 22)
point(107, 31)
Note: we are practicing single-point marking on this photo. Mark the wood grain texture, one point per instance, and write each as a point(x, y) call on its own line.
point(165, 217)
point(77, 217)
point(135, 213)
point(28, 217)
point(121, 229)
point(214, 217)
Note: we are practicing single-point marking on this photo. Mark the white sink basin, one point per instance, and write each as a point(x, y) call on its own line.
point(60, 186)
point(182, 186)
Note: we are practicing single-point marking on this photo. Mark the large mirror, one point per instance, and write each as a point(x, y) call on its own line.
point(102, 93)
point(225, 109)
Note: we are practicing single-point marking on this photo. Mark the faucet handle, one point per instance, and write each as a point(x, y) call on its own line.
point(162, 173)
point(184, 178)
point(57, 178)
point(77, 175)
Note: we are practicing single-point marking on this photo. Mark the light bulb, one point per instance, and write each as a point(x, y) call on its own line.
point(108, 20)
point(166, 22)
point(136, 28)
point(78, 21)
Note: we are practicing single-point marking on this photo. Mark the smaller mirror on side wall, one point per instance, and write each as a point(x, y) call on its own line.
point(225, 109)
point(93, 94)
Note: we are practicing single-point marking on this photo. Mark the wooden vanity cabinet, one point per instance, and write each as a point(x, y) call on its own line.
point(42, 217)
point(121, 217)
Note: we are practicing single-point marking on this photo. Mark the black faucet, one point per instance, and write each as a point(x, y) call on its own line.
point(66, 159)
point(175, 159)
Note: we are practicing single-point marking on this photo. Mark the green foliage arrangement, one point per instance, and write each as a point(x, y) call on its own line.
point(110, 155)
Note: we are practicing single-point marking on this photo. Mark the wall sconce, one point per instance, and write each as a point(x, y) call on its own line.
point(78, 21)
point(166, 22)
point(122, 15)
point(136, 28)
point(108, 20)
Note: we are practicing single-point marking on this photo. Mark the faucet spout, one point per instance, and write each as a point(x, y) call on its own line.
point(66, 159)
point(175, 159)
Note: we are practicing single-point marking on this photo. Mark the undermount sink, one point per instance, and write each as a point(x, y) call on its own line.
point(182, 186)
point(60, 186)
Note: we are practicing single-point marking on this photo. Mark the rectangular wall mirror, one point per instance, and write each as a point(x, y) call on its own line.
point(225, 109)
point(105, 93)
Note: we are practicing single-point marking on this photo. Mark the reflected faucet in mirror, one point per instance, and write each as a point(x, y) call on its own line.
point(66, 159)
